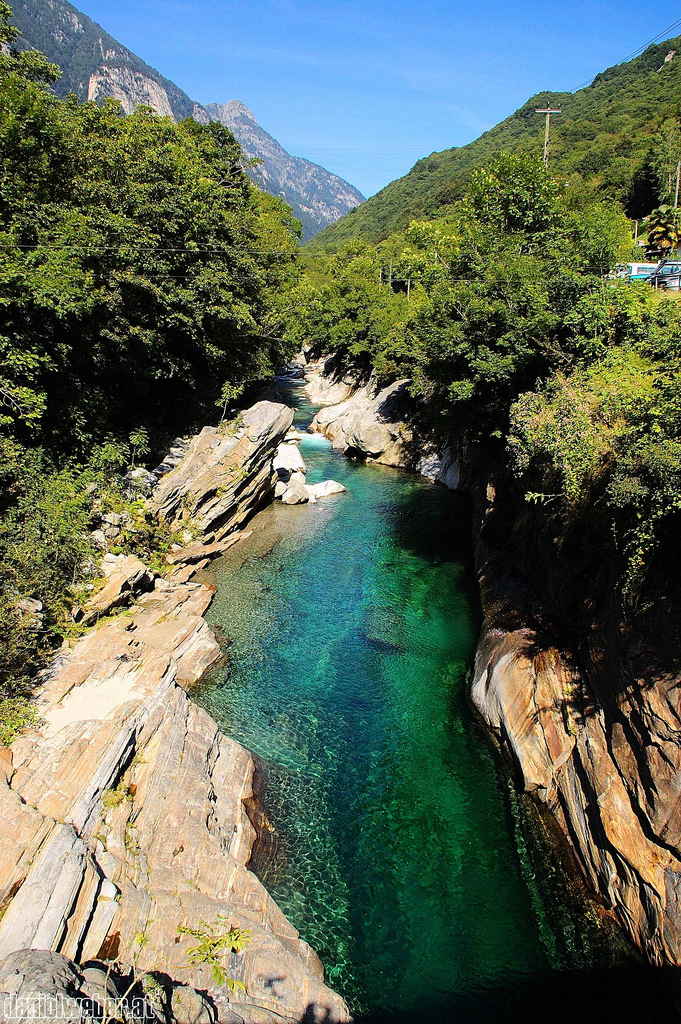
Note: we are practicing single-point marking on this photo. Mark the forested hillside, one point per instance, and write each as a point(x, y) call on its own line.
point(96, 66)
point(140, 274)
point(612, 133)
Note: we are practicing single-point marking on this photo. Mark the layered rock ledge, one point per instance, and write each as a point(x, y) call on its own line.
point(595, 736)
point(124, 812)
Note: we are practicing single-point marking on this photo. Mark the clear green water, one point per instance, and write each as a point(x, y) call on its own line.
point(352, 635)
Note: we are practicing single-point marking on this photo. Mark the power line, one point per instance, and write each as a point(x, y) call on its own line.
point(118, 249)
point(637, 52)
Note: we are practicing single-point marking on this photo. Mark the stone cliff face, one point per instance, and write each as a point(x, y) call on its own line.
point(317, 197)
point(590, 719)
point(94, 64)
point(124, 813)
point(589, 716)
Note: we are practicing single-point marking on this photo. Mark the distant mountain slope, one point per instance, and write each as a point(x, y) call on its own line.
point(96, 66)
point(605, 132)
point(316, 196)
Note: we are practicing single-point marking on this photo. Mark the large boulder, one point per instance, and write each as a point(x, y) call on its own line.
point(288, 460)
point(440, 466)
point(295, 494)
point(36, 984)
point(328, 384)
point(371, 424)
point(126, 578)
point(323, 490)
point(224, 473)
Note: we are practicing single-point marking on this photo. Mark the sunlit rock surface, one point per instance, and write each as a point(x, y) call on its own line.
point(609, 769)
point(124, 813)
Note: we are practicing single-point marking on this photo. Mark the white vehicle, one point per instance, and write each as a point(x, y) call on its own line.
point(635, 271)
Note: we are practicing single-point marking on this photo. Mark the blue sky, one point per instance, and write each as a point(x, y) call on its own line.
point(366, 87)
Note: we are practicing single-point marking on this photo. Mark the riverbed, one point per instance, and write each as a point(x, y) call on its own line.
point(394, 847)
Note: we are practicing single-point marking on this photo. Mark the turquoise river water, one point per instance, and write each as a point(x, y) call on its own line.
point(351, 627)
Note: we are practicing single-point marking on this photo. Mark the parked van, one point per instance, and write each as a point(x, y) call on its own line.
point(667, 276)
point(635, 271)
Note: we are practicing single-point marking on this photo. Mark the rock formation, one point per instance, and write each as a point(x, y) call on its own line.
point(374, 424)
point(327, 383)
point(224, 472)
point(125, 811)
point(593, 732)
point(290, 469)
point(370, 424)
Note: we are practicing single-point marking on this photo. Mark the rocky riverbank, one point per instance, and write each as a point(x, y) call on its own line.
point(373, 423)
point(591, 728)
point(590, 723)
point(125, 811)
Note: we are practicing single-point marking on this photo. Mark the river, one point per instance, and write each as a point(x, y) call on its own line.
point(351, 627)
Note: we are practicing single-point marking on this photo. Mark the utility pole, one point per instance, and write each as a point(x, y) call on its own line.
point(548, 111)
point(678, 175)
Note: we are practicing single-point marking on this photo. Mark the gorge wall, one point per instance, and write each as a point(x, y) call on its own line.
point(587, 711)
point(124, 811)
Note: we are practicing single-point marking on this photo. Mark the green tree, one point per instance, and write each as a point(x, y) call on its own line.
point(663, 230)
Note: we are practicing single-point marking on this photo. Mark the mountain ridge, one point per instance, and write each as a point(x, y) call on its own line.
point(606, 133)
point(95, 66)
point(283, 174)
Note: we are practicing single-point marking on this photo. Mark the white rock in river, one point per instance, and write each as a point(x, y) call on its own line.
point(295, 494)
point(322, 490)
point(288, 460)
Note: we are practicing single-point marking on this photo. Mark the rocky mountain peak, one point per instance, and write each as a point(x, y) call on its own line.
point(233, 109)
point(316, 196)
point(96, 66)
